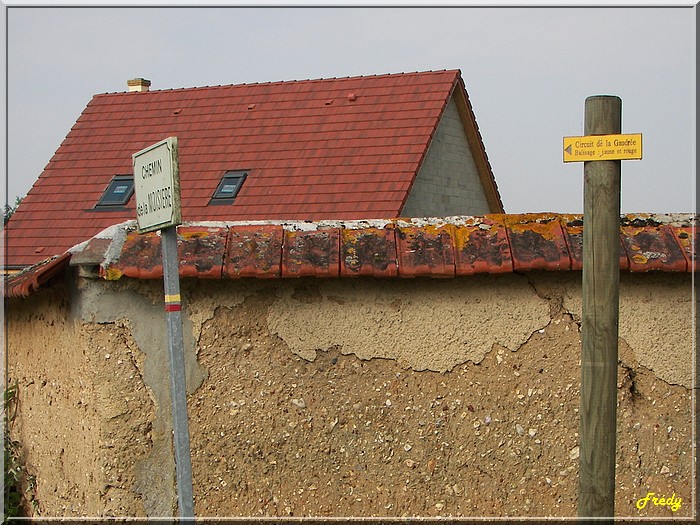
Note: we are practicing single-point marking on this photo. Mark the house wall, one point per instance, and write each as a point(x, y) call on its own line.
point(447, 182)
point(354, 397)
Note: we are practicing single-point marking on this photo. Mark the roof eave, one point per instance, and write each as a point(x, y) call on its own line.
point(28, 281)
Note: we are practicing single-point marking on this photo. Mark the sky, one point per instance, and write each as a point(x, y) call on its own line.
point(527, 70)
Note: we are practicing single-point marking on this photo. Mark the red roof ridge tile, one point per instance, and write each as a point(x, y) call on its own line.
point(279, 82)
point(402, 247)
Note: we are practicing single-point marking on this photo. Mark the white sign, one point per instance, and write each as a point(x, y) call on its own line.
point(157, 186)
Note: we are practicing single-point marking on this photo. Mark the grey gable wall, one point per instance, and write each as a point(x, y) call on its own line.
point(448, 182)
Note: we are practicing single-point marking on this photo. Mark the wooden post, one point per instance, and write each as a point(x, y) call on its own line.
point(600, 295)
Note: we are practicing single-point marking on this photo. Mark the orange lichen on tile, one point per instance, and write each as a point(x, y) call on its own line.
point(482, 248)
point(537, 242)
point(381, 248)
point(254, 251)
point(201, 251)
point(312, 253)
point(688, 244)
point(140, 257)
point(572, 228)
point(653, 247)
point(539, 223)
point(425, 250)
point(111, 274)
point(368, 252)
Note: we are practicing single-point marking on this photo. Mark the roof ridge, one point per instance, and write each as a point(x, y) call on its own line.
point(290, 81)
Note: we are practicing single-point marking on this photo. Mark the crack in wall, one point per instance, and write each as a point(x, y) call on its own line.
point(667, 349)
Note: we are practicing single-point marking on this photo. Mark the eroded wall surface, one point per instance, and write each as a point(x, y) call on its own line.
point(84, 414)
point(364, 397)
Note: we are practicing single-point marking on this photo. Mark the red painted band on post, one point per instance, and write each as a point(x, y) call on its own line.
point(174, 307)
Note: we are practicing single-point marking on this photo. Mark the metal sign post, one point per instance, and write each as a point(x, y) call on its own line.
point(157, 188)
point(176, 358)
point(601, 149)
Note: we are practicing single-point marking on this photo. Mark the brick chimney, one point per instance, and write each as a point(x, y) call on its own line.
point(138, 84)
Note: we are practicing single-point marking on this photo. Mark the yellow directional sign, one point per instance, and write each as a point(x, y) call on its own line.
point(603, 147)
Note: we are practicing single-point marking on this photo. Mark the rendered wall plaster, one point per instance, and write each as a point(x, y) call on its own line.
point(422, 324)
point(83, 416)
point(53, 414)
point(104, 303)
point(202, 299)
point(666, 347)
point(337, 434)
point(344, 397)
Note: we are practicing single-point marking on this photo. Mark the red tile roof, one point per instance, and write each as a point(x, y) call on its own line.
point(450, 247)
point(344, 148)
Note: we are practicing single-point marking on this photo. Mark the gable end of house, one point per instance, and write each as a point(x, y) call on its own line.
point(448, 181)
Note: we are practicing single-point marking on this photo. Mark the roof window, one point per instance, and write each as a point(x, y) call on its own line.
point(118, 192)
point(229, 187)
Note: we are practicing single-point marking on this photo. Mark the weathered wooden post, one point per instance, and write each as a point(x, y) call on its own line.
point(601, 150)
point(600, 295)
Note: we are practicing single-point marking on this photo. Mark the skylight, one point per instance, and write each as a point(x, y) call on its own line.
point(229, 187)
point(118, 192)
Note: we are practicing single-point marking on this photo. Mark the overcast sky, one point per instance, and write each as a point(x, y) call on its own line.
point(527, 70)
